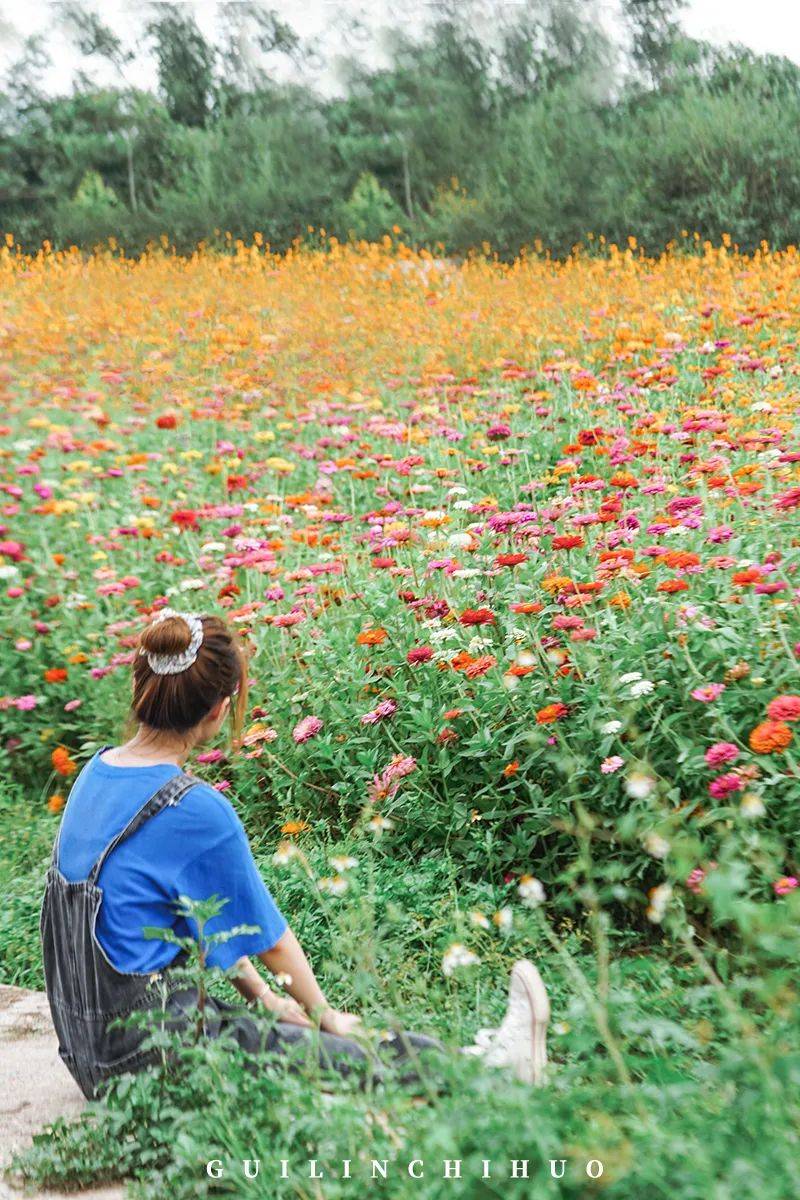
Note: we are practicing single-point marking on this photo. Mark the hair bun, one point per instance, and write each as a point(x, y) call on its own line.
point(171, 635)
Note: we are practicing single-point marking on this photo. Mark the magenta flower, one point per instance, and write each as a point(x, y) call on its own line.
point(384, 786)
point(784, 885)
point(721, 753)
point(386, 708)
point(210, 756)
point(695, 880)
point(497, 433)
point(708, 692)
point(719, 534)
point(725, 785)
point(307, 728)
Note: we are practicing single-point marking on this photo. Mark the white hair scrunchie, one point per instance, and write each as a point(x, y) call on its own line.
point(173, 664)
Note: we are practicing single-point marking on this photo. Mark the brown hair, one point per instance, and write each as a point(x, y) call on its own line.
point(178, 702)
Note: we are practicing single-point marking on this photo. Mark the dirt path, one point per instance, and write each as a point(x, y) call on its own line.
point(35, 1087)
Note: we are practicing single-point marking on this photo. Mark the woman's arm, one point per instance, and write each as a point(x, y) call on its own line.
point(249, 983)
point(288, 958)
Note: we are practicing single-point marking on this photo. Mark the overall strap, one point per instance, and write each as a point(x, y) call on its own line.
point(172, 792)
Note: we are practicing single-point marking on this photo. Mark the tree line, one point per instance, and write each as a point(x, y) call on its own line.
point(487, 125)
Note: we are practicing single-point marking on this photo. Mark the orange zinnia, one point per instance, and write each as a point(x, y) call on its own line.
point(293, 827)
point(770, 736)
point(550, 713)
point(371, 637)
point(55, 675)
point(480, 666)
point(673, 585)
point(62, 763)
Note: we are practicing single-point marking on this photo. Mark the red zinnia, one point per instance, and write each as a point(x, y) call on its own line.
point(477, 616)
point(419, 654)
point(185, 518)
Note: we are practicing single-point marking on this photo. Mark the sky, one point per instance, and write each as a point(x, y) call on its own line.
point(766, 26)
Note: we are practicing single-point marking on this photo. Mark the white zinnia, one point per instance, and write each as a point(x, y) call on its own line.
point(659, 899)
point(656, 845)
point(458, 956)
point(751, 805)
point(334, 885)
point(531, 891)
point(343, 862)
point(638, 785)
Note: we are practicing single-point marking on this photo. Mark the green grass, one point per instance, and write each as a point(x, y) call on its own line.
point(681, 1084)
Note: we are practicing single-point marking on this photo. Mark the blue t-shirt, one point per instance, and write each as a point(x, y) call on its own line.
point(196, 848)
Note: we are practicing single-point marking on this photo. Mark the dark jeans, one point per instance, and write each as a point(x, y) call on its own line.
point(262, 1038)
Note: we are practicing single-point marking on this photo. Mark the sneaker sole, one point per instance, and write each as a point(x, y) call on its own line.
point(532, 1068)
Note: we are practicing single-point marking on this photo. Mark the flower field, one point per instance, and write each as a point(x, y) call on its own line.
point(501, 538)
point(515, 548)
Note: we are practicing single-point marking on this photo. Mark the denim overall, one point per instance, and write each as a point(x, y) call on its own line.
point(85, 991)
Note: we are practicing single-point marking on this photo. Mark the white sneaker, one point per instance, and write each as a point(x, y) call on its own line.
point(520, 1041)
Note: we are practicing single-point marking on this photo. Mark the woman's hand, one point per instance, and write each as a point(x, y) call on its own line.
point(284, 1008)
point(341, 1023)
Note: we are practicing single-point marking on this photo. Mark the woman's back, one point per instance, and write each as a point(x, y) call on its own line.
point(194, 848)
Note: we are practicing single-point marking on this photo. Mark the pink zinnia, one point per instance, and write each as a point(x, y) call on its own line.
point(210, 756)
point(787, 500)
point(307, 728)
point(386, 708)
point(782, 708)
point(562, 621)
point(695, 880)
point(609, 765)
point(286, 620)
point(419, 654)
point(25, 703)
point(708, 692)
point(725, 785)
point(784, 885)
point(384, 786)
point(721, 753)
point(496, 433)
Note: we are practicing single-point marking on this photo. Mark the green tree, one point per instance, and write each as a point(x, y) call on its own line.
point(185, 63)
point(370, 211)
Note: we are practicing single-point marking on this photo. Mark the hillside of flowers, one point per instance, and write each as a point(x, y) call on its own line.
point(514, 547)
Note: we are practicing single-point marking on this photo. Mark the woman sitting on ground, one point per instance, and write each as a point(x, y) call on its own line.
point(138, 833)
